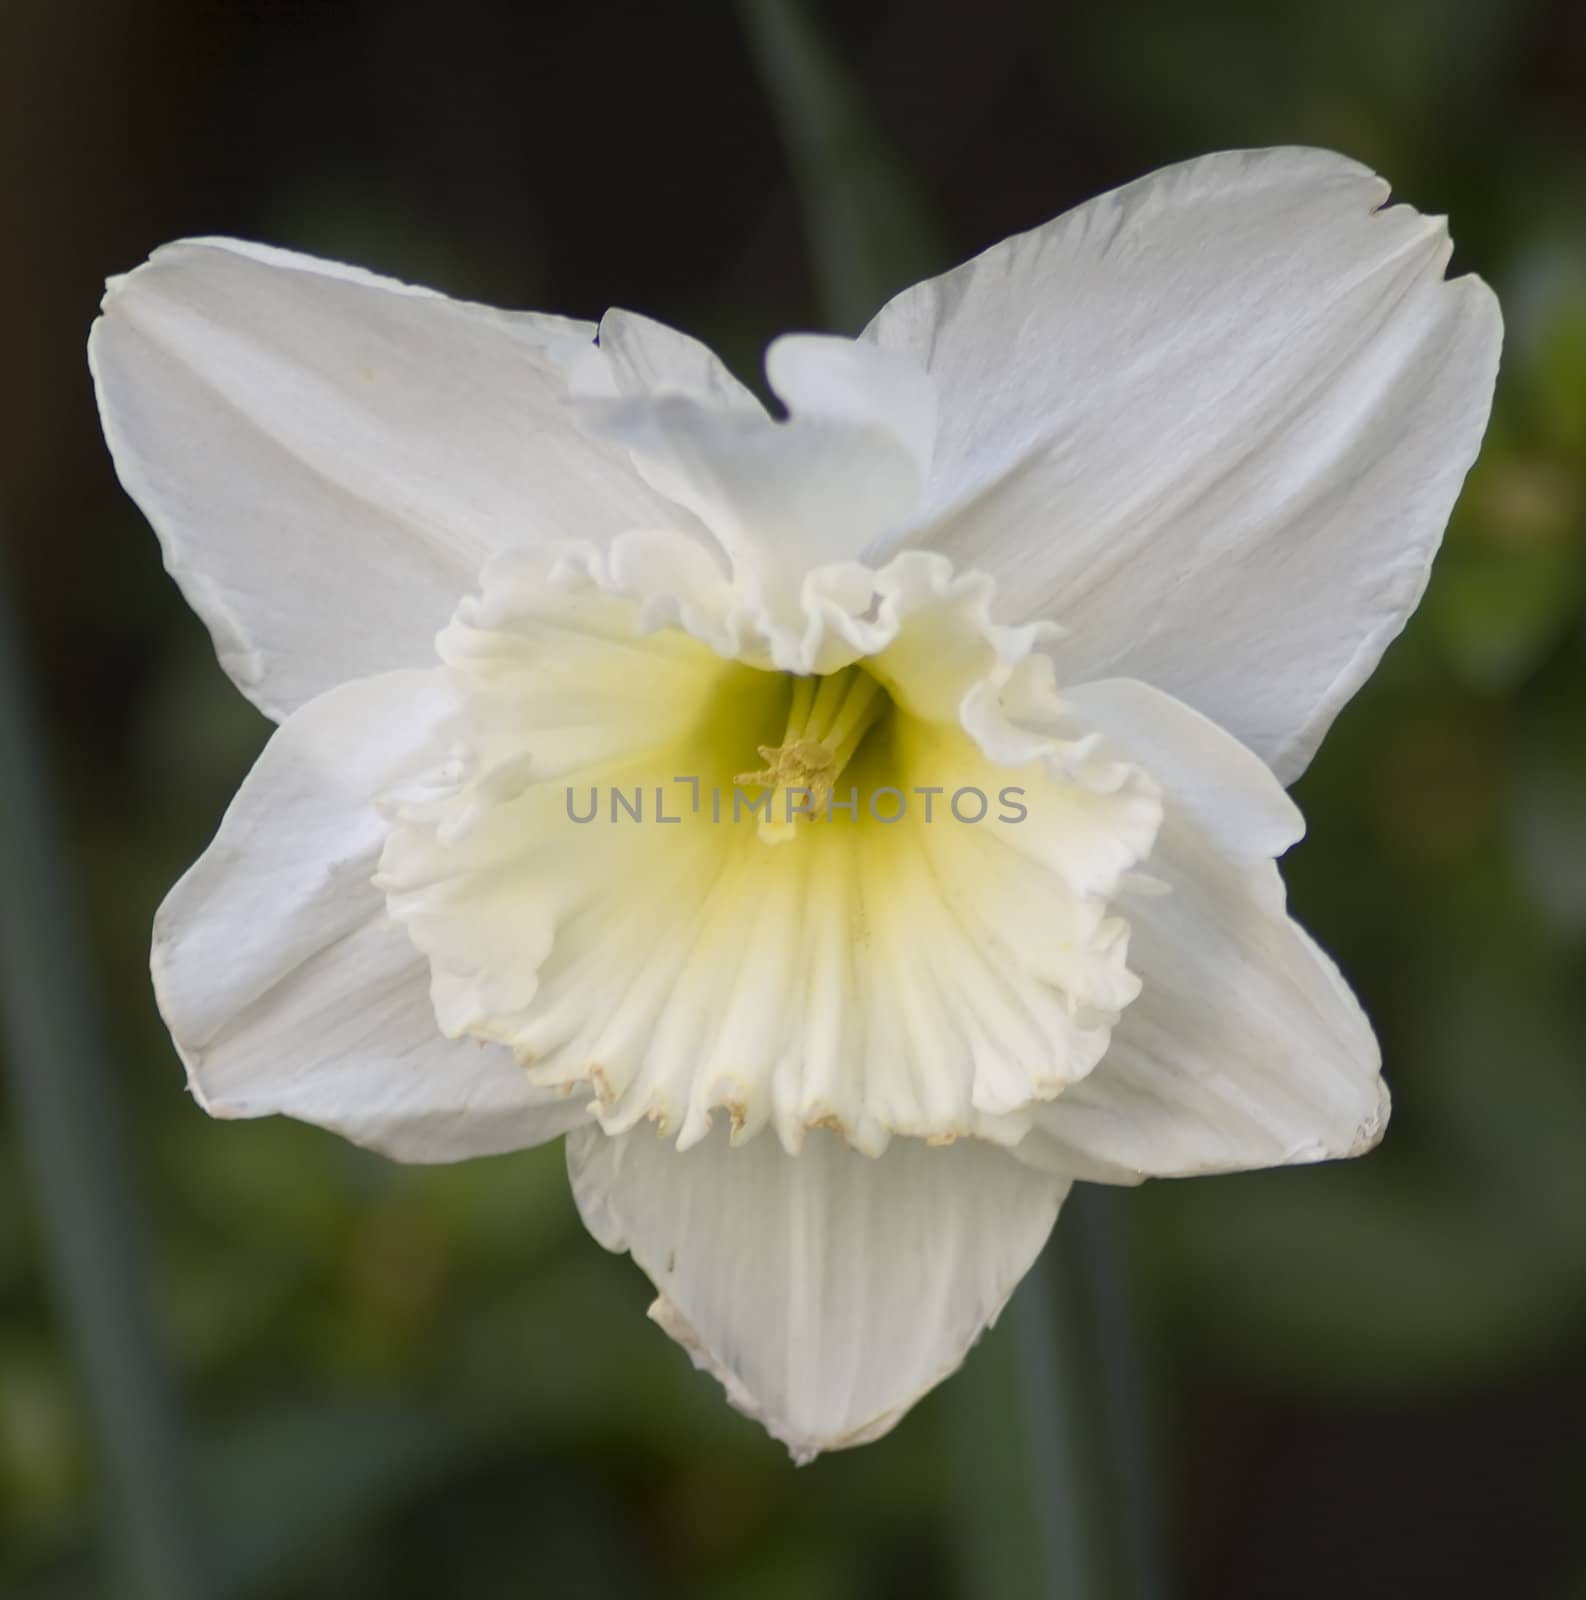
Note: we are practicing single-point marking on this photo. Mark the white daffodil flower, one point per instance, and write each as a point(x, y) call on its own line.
point(850, 828)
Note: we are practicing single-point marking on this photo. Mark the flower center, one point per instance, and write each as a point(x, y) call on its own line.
point(828, 718)
point(577, 870)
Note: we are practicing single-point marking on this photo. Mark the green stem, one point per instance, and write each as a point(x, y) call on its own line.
point(1048, 1436)
point(65, 1103)
point(867, 227)
point(1053, 1417)
point(1131, 1511)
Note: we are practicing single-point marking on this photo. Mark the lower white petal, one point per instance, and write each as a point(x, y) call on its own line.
point(286, 986)
point(826, 1291)
point(1245, 1047)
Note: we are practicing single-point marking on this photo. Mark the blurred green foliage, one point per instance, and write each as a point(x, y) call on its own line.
point(430, 1382)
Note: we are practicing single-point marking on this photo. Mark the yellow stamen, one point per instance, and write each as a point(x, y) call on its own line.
point(825, 727)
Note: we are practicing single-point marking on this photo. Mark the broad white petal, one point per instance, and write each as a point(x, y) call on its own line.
point(328, 456)
point(827, 1291)
point(1245, 1047)
point(1213, 423)
point(285, 985)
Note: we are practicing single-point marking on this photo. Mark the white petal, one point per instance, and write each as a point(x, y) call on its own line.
point(827, 1291)
point(783, 498)
point(1245, 1047)
point(329, 456)
point(1225, 789)
point(284, 984)
point(822, 375)
point(636, 355)
point(1213, 423)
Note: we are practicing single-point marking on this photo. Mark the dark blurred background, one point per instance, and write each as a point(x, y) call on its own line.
point(1364, 1379)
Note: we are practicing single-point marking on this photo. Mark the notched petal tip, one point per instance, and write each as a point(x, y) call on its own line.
point(1372, 1128)
point(114, 284)
point(801, 1447)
